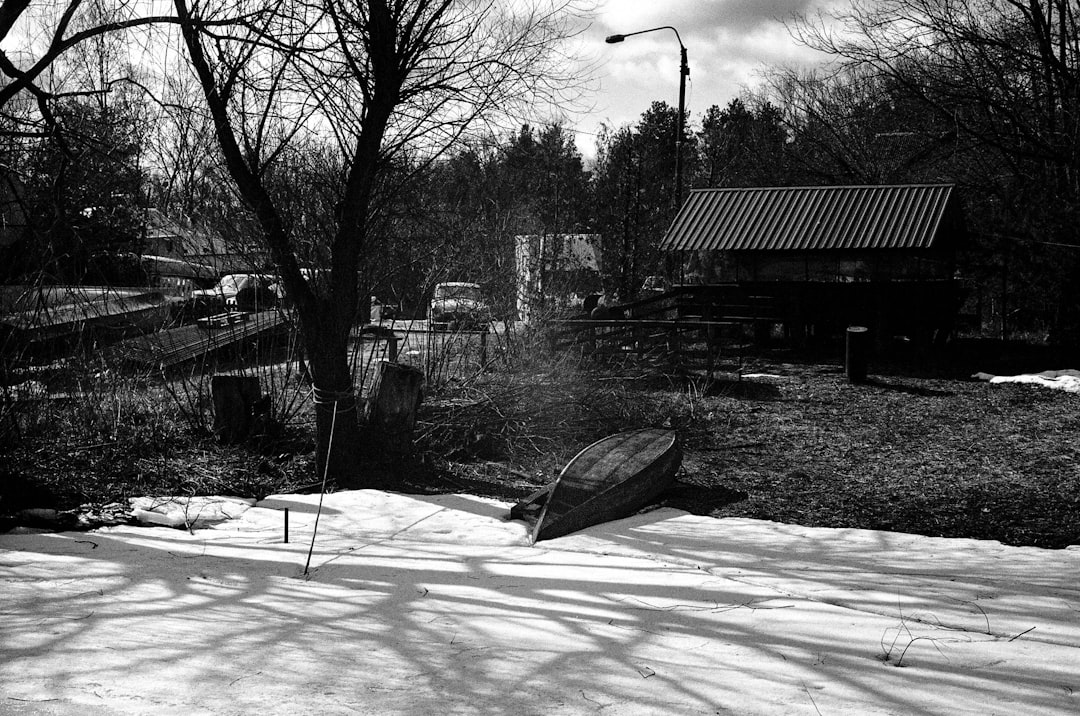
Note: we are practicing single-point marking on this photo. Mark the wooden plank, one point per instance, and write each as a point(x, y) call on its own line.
point(638, 323)
point(753, 319)
point(172, 347)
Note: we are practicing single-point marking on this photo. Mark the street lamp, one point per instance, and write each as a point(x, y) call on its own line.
point(684, 71)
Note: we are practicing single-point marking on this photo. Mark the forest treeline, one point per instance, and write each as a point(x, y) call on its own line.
point(983, 94)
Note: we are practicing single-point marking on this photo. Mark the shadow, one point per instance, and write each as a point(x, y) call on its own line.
point(472, 505)
point(972, 355)
point(296, 504)
point(434, 605)
point(745, 389)
point(698, 499)
point(918, 390)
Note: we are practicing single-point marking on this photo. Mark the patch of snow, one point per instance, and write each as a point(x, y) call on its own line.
point(439, 604)
point(1067, 380)
point(188, 512)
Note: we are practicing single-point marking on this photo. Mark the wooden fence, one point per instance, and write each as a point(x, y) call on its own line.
point(695, 327)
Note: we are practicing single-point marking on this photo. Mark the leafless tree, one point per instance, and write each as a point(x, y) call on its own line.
point(856, 126)
point(41, 35)
point(1003, 72)
point(1001, 79)
point(370, 79)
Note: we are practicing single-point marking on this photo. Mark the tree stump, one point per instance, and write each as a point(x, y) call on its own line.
point(392, 406)
point(238, 405)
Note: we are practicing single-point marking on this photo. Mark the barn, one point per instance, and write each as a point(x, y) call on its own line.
point(817, 259)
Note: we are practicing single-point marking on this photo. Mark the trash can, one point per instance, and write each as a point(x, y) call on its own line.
point(856, 356)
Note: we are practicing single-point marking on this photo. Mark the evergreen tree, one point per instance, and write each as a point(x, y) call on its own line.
point(83, 191)
point(634, 195)
point(743, 146)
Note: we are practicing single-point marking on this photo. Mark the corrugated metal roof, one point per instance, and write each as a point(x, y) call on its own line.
point(810, 218)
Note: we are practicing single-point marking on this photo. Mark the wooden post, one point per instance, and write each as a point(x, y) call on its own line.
point(391, 409)
point(675, 344)
point(238, 404)
point(856, 355)
point(1005, 299)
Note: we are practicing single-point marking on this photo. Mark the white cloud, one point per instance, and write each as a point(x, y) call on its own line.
point(730, 43)
point(691, 16)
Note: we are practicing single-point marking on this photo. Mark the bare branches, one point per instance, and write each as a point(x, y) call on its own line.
point(10, 11)
point(371, 79)
point(26, 78)
point(1007, 71)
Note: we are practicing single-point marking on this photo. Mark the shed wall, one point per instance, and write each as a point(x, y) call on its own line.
point(709, 267)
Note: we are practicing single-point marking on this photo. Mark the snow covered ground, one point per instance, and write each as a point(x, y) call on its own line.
point(438, 605)
point(1067, 380)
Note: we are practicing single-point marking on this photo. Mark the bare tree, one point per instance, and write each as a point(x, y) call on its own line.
point(71, 112)
point(370, 79)
point(856, 126)
point(1005, 73)
point(38, 36)
point(1001, 78)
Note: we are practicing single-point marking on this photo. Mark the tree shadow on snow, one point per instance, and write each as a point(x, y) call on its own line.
point(663, 612)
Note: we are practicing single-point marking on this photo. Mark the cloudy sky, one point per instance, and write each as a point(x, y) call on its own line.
point(729, 42)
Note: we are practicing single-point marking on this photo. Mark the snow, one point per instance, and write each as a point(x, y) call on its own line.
point(439, 605)
point(1067, 380)
point(189, 512)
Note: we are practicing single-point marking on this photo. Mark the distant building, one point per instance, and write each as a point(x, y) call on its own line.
point(819, 258)
point(181, 240)
point(826, 233)
point(555, 272)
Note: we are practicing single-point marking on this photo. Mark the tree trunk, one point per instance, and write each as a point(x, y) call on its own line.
point(338, 453)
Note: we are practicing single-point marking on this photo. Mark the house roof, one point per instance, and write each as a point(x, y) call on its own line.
point(814, 218)
point(187, 239)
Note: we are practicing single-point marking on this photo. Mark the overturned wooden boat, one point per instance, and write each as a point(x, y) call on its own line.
point(610, 479)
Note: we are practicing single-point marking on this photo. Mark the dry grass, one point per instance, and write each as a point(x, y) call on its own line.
point(930, 455)
point(102, 437)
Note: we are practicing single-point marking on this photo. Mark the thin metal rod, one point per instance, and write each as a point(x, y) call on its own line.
point(322, 491)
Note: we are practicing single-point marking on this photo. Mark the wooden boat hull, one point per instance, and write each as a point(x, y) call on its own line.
point(609, 480)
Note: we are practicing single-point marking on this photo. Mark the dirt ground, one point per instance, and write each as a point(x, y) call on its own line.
point(921, 447)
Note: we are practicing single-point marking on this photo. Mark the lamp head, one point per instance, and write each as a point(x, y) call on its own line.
point(612, 39)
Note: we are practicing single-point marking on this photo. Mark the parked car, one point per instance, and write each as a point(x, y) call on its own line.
point(654, 286)
point(234, 292)
point(458, 304)
point(383, 311)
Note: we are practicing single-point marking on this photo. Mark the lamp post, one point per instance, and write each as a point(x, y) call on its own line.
point(684, 71)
